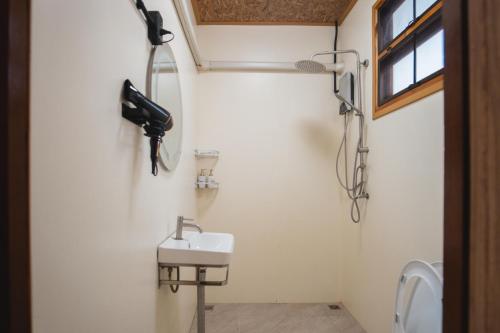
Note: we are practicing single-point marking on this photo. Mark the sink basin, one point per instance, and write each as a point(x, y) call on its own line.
point(204, 249)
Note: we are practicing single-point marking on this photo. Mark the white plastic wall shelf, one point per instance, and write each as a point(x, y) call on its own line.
point(206, 153)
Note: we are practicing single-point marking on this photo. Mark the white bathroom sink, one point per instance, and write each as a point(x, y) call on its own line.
point(207, 248)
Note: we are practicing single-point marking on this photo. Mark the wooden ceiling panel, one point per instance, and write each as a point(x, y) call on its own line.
point(282, 12)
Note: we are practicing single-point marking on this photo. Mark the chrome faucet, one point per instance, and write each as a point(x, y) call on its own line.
point(181, 224)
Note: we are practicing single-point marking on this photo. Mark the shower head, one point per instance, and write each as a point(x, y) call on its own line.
point(310, 66)
point(313, 66)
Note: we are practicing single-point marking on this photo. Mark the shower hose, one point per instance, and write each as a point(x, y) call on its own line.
point(355, 190)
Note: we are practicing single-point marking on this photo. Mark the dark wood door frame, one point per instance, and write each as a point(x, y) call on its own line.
point(14, 166)
point(456, 174)
point(472, 167)
point(484, 177)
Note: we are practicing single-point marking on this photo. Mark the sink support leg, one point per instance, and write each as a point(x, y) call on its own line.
point(201, 273)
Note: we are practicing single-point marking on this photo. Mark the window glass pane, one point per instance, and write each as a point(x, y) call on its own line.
point(402, 73)
point(423, 5)
point(430, 55)
point(396, 72)
point(394, 18)
point(430, 48)
point(401, 17)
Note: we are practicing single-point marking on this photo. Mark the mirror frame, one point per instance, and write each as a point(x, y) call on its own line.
point(149, 93)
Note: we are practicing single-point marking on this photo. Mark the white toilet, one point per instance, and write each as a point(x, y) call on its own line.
point(419, 297)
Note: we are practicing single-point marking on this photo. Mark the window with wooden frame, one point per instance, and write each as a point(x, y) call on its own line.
point(408, 52)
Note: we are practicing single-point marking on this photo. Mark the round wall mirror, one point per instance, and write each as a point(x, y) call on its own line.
point(165, 90)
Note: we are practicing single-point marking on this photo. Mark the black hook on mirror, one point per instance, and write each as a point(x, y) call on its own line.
point(148, 115)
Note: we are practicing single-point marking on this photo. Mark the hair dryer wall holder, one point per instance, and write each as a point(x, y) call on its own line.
point(148, 115)
point(154, 21)
point(133, 114)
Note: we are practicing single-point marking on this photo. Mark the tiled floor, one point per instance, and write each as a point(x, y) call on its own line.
point(278, 318)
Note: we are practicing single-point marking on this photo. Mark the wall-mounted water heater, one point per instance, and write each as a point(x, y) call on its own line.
point(346, 91)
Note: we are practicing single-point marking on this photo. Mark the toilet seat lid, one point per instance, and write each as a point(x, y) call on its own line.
point(422, 311)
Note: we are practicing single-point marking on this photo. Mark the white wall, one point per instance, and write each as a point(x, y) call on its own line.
point(278, 192)
point(403, 219)
point(262, 43)
point(97, 212)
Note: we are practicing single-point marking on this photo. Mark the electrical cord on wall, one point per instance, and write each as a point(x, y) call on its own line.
point(171, 38)
point(335, 90)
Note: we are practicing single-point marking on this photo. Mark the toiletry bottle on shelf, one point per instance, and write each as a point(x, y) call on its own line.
point(211, 183)
point(202, 179)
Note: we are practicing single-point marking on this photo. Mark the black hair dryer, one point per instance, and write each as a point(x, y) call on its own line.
point(146, 114)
